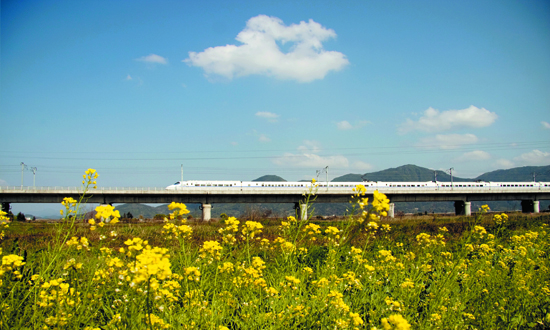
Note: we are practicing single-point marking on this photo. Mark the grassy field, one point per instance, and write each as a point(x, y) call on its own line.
point(485, 272)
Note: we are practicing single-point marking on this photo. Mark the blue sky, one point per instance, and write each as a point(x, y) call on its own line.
point(236, 90)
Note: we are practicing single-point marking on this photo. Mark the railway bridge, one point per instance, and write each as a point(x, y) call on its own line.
point(462, 197)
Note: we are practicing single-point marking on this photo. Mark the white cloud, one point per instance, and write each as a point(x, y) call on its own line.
point(270, 116)
point(476, 155)
point(128, 77)
point(311, 160)
point(359, 165)
point(308, 158)
point(504, 163)
point(433, 120)
point(153, 58)
point(263, 138)
point(310, 146)
point(345, 125)
point(447, 141)
point(3, 183)
point(546, 125)
point(260, 52)
point(234, 143)
point(535, 157)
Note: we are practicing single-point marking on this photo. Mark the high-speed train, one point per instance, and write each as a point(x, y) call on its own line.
point(371, 185)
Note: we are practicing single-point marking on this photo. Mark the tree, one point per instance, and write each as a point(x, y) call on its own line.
point(20, 217)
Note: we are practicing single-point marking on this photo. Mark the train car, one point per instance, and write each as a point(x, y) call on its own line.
point(370, 185)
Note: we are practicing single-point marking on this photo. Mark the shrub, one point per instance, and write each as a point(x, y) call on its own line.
point(20, 217)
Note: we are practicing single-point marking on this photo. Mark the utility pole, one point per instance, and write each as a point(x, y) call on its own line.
point(181, 172)
point(534, 176)
point(326, 171)
point(451, 172)
point(33, 169)
point(23, 167)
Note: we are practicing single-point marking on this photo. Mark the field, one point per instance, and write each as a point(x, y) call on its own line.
point(485, 272)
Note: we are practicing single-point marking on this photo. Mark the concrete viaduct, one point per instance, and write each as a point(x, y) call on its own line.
point(462, 197)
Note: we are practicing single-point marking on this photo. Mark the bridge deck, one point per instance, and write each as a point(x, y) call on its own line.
point(261, 195)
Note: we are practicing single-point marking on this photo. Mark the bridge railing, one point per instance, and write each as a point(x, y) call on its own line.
point(40, 189)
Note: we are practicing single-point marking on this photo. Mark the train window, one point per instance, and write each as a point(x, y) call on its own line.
point(197, 185)
point(399, 185)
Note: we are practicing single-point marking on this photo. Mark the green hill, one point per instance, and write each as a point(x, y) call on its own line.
point(400, 174)
point(518, 174)
point(270, 178)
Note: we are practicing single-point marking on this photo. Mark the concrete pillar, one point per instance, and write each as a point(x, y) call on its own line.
point(303, 211)
point(536, 207)
point(391, 212)
point(6, 207)
point(206, 212)
point(459, 207)
point(527, 206)
point(467, 208)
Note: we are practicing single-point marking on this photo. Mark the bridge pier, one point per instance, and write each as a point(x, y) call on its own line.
point(302, 210)
point(6, 207)
point(391, 212)
point(463, 208)
point(529, 206)
point(206, 212)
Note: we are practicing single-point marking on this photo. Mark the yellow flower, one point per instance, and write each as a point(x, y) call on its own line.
point(252, 228)
point(212, 249)
point(395, 322)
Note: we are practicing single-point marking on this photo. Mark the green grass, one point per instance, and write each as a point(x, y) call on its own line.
point(383, 279)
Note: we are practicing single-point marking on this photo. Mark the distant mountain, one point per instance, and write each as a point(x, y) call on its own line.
point(518, 174)
point(400, 174)
point(270, 178)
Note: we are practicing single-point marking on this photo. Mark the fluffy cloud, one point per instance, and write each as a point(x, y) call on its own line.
point(308, 158)
point(433, 120)
point(153, 58)
point(271, 117)
point(260, 52)
point(475, 155)
point(263, 138)
point(345, 125)
point(535, 157)
point(359, 165)
point(447, 141)
point(504, 163)
point(546, 125)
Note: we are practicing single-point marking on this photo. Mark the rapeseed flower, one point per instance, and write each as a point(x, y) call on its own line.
point(180, 210)
point(395, 322)
point(211, 249)
point(252, 228)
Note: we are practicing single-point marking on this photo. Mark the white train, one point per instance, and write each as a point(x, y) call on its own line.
point(370, 185)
